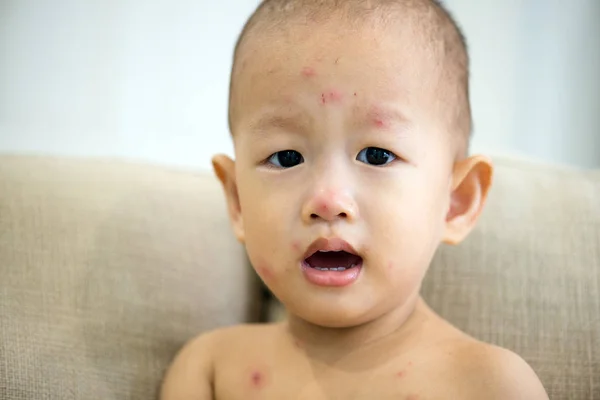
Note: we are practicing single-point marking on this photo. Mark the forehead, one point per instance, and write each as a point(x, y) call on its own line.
point(390, 64)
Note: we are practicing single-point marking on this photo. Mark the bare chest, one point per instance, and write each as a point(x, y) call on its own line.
point(267, 381)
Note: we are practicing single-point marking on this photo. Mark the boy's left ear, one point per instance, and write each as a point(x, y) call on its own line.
point(471, 181)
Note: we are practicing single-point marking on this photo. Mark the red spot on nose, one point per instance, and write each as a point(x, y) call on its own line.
point(308, 72)
point(378, 123)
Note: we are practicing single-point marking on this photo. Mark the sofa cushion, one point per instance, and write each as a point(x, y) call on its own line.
point(106, 269)
point(528, 277)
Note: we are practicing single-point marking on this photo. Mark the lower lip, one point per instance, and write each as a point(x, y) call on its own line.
point(331, 278)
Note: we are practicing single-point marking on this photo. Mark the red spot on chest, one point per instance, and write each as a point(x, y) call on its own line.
point(308, 72)
point(257, 379)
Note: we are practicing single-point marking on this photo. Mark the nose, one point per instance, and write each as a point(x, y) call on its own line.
point(330, 205)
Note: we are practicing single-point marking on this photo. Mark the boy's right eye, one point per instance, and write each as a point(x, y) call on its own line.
point(285, 159)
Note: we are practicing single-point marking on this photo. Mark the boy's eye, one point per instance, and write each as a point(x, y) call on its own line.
point(286, 159)
point(375, 156)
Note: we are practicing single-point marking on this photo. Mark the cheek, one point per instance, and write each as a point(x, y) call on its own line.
point(264, 270)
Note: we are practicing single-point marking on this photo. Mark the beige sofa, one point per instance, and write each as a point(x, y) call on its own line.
point(107, 268)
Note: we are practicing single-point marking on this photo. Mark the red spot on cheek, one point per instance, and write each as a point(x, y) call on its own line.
point(257, 379)
point(296, 246)
point(264, 271)
point(390, 265)
point(298, 343)
point(308, 72)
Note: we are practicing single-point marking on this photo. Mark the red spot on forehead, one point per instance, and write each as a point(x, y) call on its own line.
point(333, 96)
point(308, 72)
point(379, 118)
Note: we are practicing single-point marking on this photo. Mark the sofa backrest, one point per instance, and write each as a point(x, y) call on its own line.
point(106, 269)
point(528, 277)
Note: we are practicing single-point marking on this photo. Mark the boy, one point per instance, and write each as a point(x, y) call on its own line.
point(351, 123)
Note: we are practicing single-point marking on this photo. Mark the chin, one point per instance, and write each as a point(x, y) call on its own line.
point(332, 316)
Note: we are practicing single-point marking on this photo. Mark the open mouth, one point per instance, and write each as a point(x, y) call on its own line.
point(333, 260)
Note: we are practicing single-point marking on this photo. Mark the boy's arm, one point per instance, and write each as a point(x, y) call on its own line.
point(190, 375)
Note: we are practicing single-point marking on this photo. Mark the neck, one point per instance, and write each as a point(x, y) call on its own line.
point(334, 344)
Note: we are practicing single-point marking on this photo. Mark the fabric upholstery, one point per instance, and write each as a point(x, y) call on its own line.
point(106, 269)
point(528, 277)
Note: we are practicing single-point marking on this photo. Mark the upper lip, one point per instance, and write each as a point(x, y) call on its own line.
point(329, 244)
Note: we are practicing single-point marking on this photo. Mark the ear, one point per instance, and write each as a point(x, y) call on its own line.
point(224, 168)
point(471, 181)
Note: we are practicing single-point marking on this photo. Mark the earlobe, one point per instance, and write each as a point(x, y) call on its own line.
point(224, 168)
point(471, 181)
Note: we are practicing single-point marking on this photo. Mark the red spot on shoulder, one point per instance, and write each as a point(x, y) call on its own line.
point(308, 72)
point(257, 379)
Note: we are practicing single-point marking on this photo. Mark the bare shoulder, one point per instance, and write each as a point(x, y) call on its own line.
point(492, 372)
point(191, 374)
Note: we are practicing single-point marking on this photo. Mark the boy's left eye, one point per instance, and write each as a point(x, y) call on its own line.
point(375, 156)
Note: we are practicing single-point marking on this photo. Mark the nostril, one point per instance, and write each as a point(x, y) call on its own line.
point(343, 215)
point(314, 216)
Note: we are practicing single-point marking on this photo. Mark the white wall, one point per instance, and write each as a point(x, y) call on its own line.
point(149, 79)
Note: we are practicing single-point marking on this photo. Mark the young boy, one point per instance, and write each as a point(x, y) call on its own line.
point(351, 123)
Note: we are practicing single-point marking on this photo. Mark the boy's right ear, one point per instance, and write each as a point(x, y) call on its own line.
point(224, 168)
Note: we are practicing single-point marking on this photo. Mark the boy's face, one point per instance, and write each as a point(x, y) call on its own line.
point(338, 143)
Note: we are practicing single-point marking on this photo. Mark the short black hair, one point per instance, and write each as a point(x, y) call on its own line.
point(438, 23)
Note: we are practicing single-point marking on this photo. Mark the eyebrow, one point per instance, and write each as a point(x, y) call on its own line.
point(384, 116)
point(289, 121)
